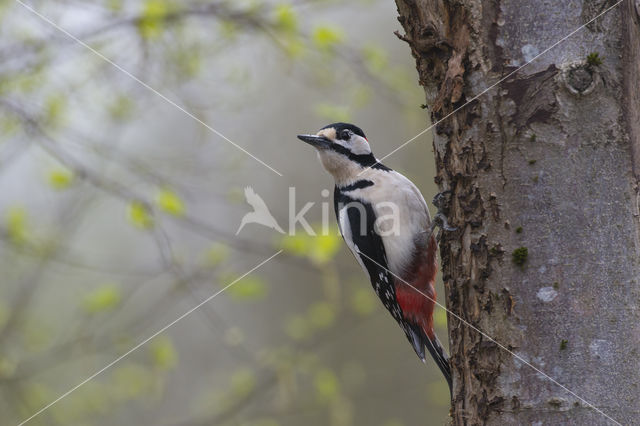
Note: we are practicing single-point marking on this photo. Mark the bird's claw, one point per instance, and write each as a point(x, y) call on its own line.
point(440, 220)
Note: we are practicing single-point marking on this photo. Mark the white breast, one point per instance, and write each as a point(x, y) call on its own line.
point(412, 215)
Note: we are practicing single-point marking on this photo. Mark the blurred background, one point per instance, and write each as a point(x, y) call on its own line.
point(118, 213)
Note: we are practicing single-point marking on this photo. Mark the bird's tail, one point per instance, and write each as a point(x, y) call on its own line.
point(440, 357)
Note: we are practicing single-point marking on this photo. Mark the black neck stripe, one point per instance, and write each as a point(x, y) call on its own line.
point(365, 160)
point(356, 185)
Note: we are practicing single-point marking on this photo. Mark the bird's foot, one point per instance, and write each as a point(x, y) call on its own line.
point(440, 220)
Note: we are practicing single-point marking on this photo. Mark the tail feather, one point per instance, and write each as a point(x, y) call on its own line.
point(440, 357)
point(419, 340)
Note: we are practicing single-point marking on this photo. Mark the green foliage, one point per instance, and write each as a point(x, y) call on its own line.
point(326, 385)
point(60, 178)
point(169, 202)
point(363, 301)
point(376, 59)
point(37, 394)
point(519, 256)
point(249, 288)
point(188, 61)
point(216, 254)
point(132, 381)
point(286, 18)
point(114, 5)
point(121, 108)
point(228, 30)
point(332, 112)
point(294, 47)
point(140, 215)
point(17, 225)
point(163, 353)
point(319, 249)
point(440, 318)
point(243, 382)
point(327, 37)
point(594, 59)
point(151, 22)
point(321, 315)
point(563, 344)
point(104, 298)
point(519, 230)
point(54, 109)
point(297, 327)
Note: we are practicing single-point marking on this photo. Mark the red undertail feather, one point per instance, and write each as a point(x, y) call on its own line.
point(415, 306)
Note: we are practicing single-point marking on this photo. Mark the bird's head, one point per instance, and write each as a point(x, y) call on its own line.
point(343, 150)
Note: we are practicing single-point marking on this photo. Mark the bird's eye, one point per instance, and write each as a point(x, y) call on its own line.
point(346, 135)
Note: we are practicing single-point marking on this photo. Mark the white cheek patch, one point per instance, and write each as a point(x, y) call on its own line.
point(359, 145)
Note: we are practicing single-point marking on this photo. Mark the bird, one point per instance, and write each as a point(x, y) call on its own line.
point(385, 222)
point(260, 213)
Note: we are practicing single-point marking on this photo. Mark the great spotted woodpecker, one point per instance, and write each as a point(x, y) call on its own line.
point(385, 222)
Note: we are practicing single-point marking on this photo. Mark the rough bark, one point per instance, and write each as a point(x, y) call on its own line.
point(548, 161)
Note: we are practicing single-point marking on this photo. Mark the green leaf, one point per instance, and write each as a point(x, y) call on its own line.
point(16, 222)
point(286, 18)
point(216, 254)
point(326, 385)
point(54, 109)
point(151, 22)
point(249, 288)
point(60, 178)
point(325, 247)
point(375, 58)
point(169, 201)
point(114, 5)
point(140, 215)
point(121, 108)
point(243, 382)
point(322, 315)
point(105, 298)
point(294, 47)
point(131, 381)
point(320, 248)
point(440, 318)
point(297, 327)
point(326, 37)
point(228, 29)
point(363, 302)
point(333, 112)
point(36, 394)
point(163, 353)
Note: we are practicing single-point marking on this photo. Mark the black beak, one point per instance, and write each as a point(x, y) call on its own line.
point(315, 141)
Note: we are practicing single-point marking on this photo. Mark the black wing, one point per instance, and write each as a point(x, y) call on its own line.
point(364, 238)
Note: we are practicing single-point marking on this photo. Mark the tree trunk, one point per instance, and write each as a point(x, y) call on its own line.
point(542, 171)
